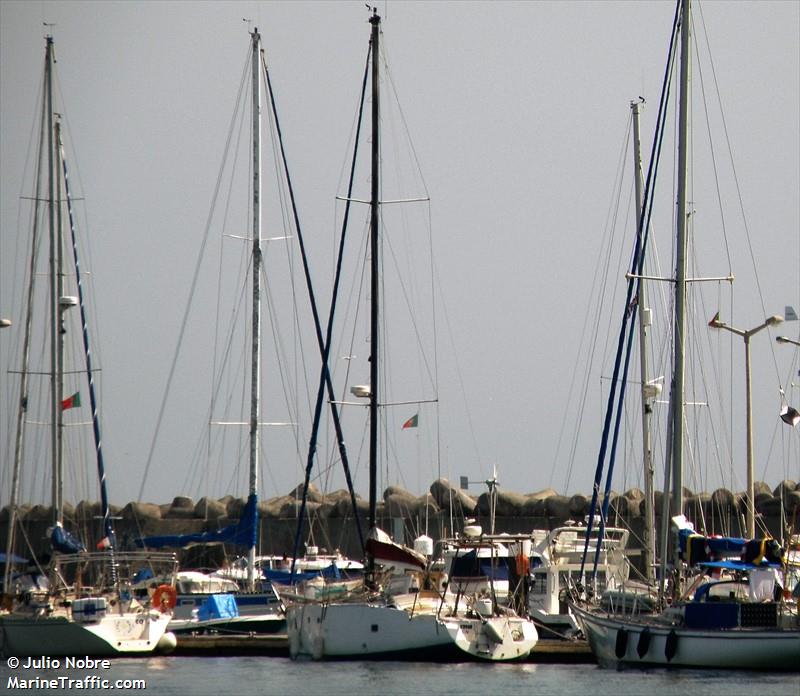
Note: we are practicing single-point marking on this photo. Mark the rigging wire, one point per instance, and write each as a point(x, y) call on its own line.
point(193, 287)
point(601, 276)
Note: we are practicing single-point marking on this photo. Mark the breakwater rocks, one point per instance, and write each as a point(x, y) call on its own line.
point(442, 497)
point(438, 512)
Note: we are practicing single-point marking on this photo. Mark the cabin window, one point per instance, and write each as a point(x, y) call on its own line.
point(538, 583)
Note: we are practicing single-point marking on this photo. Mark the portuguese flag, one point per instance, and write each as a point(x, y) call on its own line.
point(412, 422)
point(71, 401)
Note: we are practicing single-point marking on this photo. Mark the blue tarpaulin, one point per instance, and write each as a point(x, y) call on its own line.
point(218, 606)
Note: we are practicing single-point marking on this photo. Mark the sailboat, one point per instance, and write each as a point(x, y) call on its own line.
point(256, 607)
point(736, 621)
point(396, 612)
point(82, 604)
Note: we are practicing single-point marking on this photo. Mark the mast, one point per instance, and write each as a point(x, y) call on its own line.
point(375, 21)
point(680, 268)
point(644, 323)
point(26, 351)
point(255, 365)
point(55, 397)
point(63, 303)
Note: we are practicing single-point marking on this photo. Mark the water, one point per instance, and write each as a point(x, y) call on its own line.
point(245, 676)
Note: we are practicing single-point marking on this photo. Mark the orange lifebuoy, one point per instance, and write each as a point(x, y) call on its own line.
point(164, 598)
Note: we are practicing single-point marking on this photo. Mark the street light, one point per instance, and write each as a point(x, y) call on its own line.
point(789, 415)
point(715, 323)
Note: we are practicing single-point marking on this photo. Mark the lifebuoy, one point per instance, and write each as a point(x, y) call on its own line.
point(164, 598)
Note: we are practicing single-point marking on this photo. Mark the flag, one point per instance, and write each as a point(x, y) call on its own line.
point(412, 422)
point(790, 416)
point(104, 543)
point(713, 323)
point(71, 401)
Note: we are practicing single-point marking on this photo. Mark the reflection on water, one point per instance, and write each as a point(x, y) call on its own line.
point(245, 676)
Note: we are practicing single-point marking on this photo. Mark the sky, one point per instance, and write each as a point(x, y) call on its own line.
point(518, 113)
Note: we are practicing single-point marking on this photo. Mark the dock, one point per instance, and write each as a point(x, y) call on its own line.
point(268, 644)
point(277, 645)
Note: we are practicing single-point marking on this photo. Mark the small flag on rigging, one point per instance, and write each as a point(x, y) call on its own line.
point(412, 422)
point(71, 401)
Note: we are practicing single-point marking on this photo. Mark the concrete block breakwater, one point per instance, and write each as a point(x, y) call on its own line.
point(400, 512)
point(442, 497)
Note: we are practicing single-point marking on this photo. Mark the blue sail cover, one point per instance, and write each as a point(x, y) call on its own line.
point(285, 576)
point(243, 533)
point(63, 542)
point(718, 552)
point(697, 548)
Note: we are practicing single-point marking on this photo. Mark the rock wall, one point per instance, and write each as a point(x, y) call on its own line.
point(437, 513)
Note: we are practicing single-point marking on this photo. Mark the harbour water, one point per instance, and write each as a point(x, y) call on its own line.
point(243, 676)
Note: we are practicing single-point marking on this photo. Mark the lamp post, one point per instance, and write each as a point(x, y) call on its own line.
point(789, 415)
point(715, 323)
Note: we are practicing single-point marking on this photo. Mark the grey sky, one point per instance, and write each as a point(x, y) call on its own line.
point(517, 112)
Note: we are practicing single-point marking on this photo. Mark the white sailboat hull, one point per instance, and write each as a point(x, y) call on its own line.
point(361, 630)
point(355, 629)
point(498, 638)
point(57, 636)
point(617, 642)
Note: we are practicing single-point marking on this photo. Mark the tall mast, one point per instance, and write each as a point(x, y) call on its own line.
point(680, 267)
point(644, 323)
point(375, 20)
point(26, 351)
point(255, 367)
point(55, 395)
point(62, 305)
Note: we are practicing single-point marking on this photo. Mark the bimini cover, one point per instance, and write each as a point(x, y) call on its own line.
point(471, 565)
point(243, 533)
point(218, 606)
